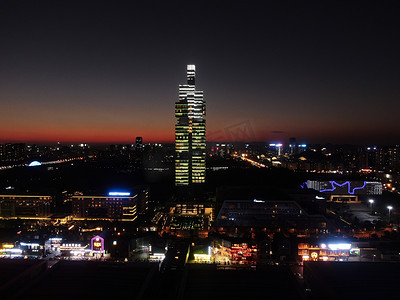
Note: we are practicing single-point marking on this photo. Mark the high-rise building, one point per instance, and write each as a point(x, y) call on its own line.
point(139, 142)
point(190, 133)
point(292, 145)
point(13, 152)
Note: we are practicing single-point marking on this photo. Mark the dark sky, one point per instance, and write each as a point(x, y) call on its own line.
point(106, 71)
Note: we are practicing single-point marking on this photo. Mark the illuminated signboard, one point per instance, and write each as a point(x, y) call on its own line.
point(157, 257)
point(202, 257)
point(124, 194)
point(314, 255)
point(97, 244)
point(55, 239)
point(341, 246)
point(258, 201)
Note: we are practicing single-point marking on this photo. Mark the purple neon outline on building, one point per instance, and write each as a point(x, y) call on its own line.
point(95, 239)
point(339, 185)
point(303, 186)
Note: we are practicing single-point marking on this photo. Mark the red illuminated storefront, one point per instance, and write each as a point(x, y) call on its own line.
point(324, 252)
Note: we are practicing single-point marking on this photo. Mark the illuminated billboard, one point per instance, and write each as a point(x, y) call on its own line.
point(97, 244)
point(122, 194)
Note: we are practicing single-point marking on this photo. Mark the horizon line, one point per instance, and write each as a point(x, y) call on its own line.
point(103, 143)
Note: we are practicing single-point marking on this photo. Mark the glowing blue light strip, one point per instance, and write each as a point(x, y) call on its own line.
point(119, 194)
point(303, 186)
point(333, 183)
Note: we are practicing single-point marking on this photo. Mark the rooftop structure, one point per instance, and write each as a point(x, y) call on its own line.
point(260, 213)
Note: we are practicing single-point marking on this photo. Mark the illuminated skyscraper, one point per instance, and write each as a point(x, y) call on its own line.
point(139, 142)
point(190, 133)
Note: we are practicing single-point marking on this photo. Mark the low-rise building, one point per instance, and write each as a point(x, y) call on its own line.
point(124, 206)
point(25, 206)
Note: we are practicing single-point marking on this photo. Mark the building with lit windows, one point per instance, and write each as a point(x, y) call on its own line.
point(123, 206)
point(334, 251)
point(345, 191)
point(234, 252)
point(25, 206)
point(139, 142)
point(190, 133)
point(271, 214)
point(13, 152)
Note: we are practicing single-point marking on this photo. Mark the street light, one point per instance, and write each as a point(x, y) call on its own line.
point(371, 203)
point(389, 208)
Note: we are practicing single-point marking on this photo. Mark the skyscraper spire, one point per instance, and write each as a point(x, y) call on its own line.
point(191, 74)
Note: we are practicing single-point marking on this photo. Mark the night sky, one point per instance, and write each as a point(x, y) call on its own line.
point(106, 72)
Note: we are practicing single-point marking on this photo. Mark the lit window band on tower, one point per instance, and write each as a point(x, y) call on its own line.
point(190, 133)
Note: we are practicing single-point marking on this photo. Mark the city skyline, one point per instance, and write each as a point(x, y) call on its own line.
point(108, 73)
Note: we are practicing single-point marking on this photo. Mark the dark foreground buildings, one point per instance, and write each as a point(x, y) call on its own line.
point(33, 279)
point(37, 279)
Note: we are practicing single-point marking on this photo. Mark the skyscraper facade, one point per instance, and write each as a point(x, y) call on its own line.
point(190, 133)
